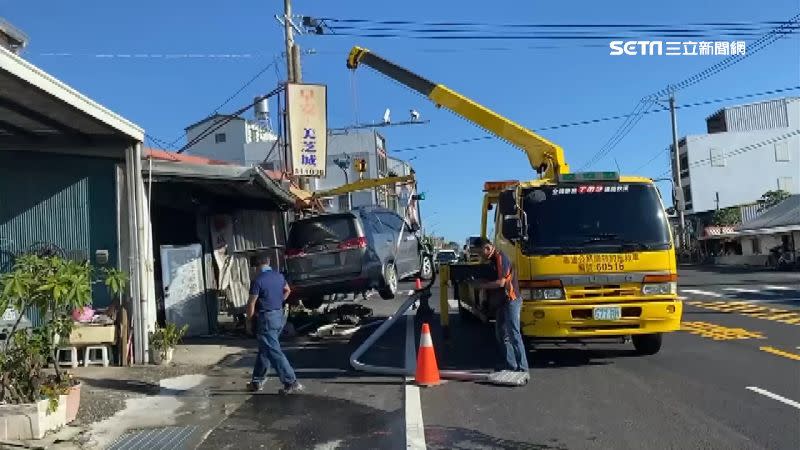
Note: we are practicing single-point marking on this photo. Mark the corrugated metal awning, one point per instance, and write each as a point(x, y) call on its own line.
point(224, 180)
point(36, 105)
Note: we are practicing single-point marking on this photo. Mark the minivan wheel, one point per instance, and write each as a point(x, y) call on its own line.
point(313, 302)
point(426, 268)
point(389, 286)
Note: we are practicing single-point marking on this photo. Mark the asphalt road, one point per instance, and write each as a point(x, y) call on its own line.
point(693, 394)
point(728, 380)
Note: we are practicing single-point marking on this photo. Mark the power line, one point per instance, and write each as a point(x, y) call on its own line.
point(548, 36)
point(642, 108)
point(217, 125)
point(542, 25)
point(244, 86)
point(755, 47)
point(466, 30)
point(789, 27)
point(155, 140)
point(604, 119)
point(650, 161)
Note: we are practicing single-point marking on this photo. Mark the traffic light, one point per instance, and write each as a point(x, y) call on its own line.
point(420, 196)
point(361, 165)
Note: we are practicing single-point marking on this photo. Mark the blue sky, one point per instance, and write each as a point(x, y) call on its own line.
point(536, 87)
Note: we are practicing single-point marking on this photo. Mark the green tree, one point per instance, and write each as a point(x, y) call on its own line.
point(54, 287)
point(726, 217)
point(772, 198)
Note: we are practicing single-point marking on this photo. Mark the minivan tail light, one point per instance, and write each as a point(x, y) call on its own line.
point(359, 242)
point(294, 252)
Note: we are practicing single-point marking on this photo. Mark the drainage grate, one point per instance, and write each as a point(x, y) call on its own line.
point(167, 438)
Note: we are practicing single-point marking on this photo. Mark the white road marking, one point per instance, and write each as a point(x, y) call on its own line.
point(773, 396)
point(415, 427)
point(701, 292)
point(742, 290)
point(775, 300)
point(778, 288)
point(682, 298)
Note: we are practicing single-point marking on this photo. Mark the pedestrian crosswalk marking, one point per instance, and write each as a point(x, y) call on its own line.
point(718, 332)
point(779, 352)
point(732, 292)
point(751, 310)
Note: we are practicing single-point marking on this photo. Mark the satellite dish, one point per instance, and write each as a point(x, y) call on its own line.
point(414, 115)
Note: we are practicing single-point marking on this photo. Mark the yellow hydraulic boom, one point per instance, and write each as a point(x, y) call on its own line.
point(546, 158)
point(359, 185)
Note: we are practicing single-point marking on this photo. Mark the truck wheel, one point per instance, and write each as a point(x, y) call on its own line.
point(426, 268)
point(388, 288)
point(647, 344)
point(313, 302)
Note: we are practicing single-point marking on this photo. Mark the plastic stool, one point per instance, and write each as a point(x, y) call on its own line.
point(73, 357)
point(91, 351)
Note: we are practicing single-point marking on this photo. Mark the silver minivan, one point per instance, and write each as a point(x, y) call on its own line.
point(353, 252)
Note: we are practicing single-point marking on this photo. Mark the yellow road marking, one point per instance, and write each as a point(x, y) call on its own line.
point(752, 310)
point(718, 332)
point(778, 352)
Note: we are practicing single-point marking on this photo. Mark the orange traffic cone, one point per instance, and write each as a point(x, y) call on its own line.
point(427, 369)
point(418, 284)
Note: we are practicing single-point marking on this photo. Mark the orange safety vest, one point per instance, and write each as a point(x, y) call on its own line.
point(508, 276)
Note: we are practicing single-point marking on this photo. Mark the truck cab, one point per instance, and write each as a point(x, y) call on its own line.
point(594, 258)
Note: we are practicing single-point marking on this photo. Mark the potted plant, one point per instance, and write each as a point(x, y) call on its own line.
point(54, 287)
point(163, 342)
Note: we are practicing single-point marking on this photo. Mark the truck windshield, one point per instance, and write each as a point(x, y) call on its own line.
point(578, 218)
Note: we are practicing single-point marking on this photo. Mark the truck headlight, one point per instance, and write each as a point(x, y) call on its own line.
point(547, 293)
point(659, 288)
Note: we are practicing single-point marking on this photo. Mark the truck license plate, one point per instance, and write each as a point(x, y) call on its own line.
point(607, 313)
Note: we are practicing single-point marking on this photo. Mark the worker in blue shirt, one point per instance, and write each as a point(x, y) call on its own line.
point(268, 292)
point(509, 307)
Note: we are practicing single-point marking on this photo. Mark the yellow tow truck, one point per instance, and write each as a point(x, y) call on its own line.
point(593, 251)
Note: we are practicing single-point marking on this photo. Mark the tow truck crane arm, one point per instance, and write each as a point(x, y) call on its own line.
point(364, 184)
point(545, 157)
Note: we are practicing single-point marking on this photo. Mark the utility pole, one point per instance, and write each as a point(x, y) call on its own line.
point(677, 181)
point(287, 25)
point(293, 73)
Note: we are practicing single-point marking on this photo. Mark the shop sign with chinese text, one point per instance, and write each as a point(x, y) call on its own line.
point(308, 125)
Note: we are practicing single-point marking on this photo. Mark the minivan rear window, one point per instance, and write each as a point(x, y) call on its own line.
point(321, 230)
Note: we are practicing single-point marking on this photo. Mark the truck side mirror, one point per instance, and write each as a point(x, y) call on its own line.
point(512, 228)
point(507, 203)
